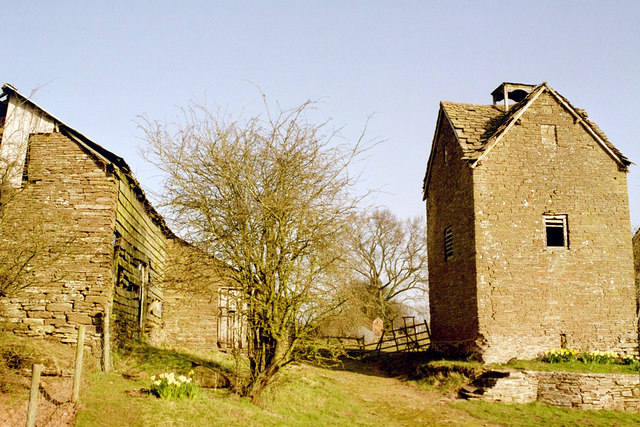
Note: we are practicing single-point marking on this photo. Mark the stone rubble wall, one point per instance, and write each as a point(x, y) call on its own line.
point(530, 295)
point(568, 389)
point(452, 283)
point(190, 310)
point(73, 200)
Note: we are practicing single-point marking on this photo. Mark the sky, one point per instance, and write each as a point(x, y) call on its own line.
point(99, 66)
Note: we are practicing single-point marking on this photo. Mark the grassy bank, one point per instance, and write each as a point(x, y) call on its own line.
point(355, 393)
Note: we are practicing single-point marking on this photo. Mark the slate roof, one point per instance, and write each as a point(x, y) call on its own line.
point(471, 123)
point(478, 127)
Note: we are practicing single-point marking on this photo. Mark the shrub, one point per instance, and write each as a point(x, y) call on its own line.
point(554, 355)
point(168, 386)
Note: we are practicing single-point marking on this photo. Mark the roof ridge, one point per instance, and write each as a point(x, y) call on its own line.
point(468, 103)
point(103, 154)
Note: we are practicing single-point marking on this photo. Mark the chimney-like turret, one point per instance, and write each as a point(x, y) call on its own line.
point(513, 91)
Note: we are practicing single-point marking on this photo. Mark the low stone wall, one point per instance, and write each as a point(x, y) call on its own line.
point(565, 389)
point(589, 391)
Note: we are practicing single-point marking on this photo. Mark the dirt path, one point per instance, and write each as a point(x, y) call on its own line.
point(390, 398)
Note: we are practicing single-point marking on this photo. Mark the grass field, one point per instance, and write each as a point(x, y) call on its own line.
point(354, 394)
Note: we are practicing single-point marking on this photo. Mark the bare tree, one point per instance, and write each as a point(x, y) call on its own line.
point(390, 258)
point(269, 198)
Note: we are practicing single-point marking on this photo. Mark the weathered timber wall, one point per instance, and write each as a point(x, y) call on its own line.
point(139, 263)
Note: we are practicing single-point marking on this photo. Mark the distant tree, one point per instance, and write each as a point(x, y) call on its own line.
point(390, 258)
point(269, 198)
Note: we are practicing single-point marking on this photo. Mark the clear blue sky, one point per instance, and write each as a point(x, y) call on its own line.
point(101, 64)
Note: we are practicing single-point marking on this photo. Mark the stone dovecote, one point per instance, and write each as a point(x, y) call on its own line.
point(528, 230)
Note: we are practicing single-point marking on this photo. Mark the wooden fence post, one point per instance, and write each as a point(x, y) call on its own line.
point(33, 396)
point(106, 341)
point(77, 372)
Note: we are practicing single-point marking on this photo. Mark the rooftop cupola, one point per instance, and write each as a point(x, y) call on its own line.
point(511, 91)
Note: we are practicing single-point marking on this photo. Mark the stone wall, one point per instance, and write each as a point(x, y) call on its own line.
point(567, 389)
point(68, 200)
point(531, 297)
point(190, 309)
point(452, 282)
point(636, 258)
point(107, 256)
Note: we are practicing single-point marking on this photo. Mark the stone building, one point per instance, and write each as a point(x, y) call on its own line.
point(110, 249)
point(528, 229)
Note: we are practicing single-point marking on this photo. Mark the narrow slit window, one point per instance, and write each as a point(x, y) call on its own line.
point(143, 278)
point(25, 168)
point(556, 234)
point(448, 243)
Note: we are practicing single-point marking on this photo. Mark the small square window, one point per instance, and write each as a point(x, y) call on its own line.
point(556, 234)
point(448, 243)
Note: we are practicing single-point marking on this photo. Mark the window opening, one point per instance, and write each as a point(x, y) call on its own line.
point(556, 231)
point(25, 168)
point(448, 243)
point(143, 272)
point(563, 340)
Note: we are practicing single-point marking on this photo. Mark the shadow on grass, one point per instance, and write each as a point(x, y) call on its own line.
point(402, 365)
point(154, 358)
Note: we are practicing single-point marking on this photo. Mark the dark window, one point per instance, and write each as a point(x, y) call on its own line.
point(143, 277)
point(25, 168)
point(448, 243)
point(556, 231)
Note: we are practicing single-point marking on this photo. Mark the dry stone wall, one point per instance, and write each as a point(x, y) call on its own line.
point(452, 287)
point(70, 199)
point(567, 389)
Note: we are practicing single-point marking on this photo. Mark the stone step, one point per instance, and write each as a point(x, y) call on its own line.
point(469, 391)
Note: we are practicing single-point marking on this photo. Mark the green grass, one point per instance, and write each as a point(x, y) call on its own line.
point(536, 365)
point(300, 397)
point(535, 414)
point(305, 395)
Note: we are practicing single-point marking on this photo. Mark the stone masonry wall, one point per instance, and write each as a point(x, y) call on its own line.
point(636, 258)
point(567, 389)
point(190, 310)
point(452, 287)
point(531, 297)
point(110, 257)
point(69, 199)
